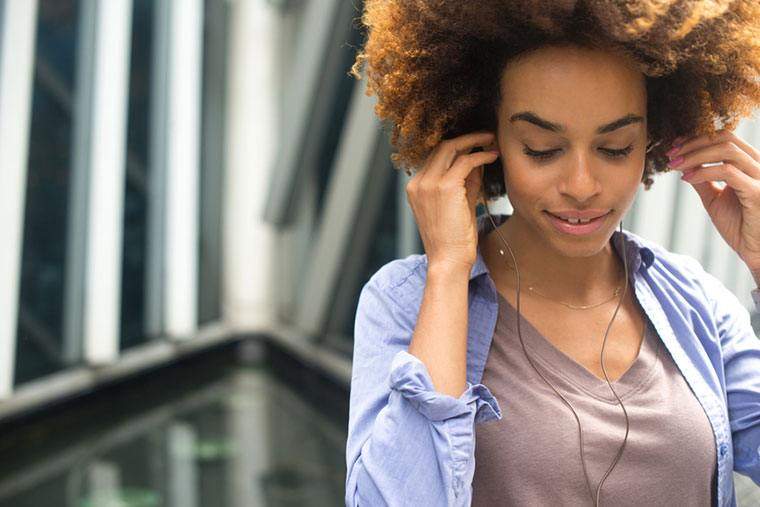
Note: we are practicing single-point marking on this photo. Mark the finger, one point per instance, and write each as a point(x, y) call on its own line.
point(464, 164)
point(719, 136)
point(447, 151)
point(698, 141)
point(726, 151)
point(729, 173)
point(744, 145)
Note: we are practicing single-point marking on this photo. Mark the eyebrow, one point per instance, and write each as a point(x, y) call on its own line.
point(533, 118)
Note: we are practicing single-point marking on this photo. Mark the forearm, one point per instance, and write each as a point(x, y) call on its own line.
point(404, 432)
point(407, 451)
point(440, 335)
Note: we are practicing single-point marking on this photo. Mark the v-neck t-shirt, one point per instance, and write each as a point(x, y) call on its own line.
point(532, 455)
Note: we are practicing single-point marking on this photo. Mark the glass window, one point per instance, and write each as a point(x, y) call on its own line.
point(40, 347)
point(213, 111)
point(136, 188)
point(383, 248)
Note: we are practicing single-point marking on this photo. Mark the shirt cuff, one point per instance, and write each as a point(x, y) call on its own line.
point(756, 297)
point(410, 377)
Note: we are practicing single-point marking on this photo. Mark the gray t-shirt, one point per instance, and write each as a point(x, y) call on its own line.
point(532, 455)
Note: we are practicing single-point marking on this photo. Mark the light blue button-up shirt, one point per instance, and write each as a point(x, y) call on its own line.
point(411, 445)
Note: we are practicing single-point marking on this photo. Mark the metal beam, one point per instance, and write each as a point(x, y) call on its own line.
point(172, 273)
point(92, 302)
point(315, 74)
point(360, 148)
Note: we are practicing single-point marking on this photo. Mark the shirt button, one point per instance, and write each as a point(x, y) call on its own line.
point(723, 449)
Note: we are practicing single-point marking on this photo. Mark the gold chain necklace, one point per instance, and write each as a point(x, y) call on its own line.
point(574, 307)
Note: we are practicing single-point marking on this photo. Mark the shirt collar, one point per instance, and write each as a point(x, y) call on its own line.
point(638, 253)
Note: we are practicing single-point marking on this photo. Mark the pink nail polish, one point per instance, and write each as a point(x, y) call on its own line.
point(676, 161)
point(673, 151)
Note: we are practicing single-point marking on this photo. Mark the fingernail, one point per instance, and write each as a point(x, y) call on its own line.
point(678, 141)
point(673, 151)
point(676, 161)
point(688, 174)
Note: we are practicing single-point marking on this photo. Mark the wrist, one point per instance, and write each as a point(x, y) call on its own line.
point(449, 269)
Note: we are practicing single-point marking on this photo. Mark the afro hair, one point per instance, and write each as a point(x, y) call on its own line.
point(435, 65)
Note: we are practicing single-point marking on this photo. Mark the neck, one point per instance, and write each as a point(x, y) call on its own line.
point(581, 279)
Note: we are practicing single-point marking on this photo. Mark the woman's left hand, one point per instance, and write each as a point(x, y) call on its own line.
point(734, 208)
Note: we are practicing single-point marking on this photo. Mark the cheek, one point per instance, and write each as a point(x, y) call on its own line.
point(525, 184)
point(526, 179)
point(632, 174)
point(624, 187)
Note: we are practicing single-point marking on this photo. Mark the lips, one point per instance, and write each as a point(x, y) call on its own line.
point(579, 214)
point(572, 219)
point(580, 228)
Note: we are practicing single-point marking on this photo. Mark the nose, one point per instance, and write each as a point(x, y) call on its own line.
point(578, 180)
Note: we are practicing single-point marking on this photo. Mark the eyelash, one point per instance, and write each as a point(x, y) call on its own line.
point(545, 155)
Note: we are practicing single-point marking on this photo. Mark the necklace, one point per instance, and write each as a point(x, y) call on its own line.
point(574, 307)
point(594, 498)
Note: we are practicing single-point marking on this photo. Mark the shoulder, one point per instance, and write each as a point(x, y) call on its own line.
point(666, 261)
point(684, 274)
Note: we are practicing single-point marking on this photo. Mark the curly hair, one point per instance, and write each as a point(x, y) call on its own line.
point(435, 65)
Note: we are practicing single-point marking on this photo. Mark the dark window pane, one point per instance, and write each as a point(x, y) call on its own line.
point(135, 198)
point(40, 347)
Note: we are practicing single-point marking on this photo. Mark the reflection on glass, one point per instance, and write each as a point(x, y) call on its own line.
point(135, 197)
point(243, 438)
point(40, 318)
point(212, 160)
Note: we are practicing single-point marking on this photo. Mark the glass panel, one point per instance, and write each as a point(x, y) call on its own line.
point(340, 103)
point(136, 193)
point(207, 433)
point(215, 29)
point(382, 248)
point(40, 318)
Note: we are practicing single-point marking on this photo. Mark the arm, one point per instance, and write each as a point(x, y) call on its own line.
point(741, 362)
point(440, 335)
point(408, 444)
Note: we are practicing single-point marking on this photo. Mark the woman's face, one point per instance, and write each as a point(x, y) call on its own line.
point(587, 110)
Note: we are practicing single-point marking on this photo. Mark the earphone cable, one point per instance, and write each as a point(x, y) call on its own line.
point(595, 500)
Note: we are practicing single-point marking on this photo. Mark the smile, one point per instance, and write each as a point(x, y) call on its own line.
point(576, 226)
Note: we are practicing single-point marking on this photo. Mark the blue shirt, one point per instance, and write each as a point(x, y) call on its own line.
point(411, 445)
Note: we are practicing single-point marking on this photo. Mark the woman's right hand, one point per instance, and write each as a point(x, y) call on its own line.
point(444, 195)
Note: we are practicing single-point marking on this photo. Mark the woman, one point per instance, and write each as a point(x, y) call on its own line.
point(625, 374)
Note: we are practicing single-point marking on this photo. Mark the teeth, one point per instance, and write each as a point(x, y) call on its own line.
point(578, 220)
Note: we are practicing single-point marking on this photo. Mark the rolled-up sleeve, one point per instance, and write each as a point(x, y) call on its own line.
point(741, 362)
point(407, 443)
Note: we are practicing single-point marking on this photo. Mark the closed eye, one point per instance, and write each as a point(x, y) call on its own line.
point(621, 153)
point(540, 155)
point(545, 155)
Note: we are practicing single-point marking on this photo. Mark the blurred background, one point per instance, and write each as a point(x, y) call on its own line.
point(192, 195)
